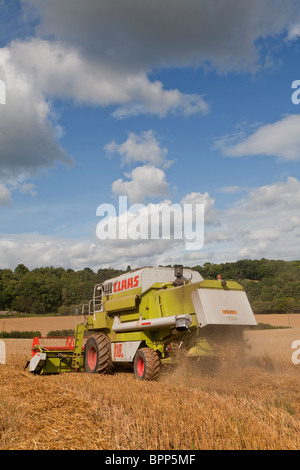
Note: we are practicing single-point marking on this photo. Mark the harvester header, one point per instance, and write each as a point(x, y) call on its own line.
point(142, 318)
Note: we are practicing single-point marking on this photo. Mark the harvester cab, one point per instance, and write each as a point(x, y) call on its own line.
point(143, 318)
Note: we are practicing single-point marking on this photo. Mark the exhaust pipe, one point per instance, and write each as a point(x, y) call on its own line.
point(180, 322)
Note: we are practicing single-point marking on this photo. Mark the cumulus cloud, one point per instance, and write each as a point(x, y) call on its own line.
point(28, 136)
point(37, 70)
point(147, 34)
point(144, 181)
point(266, 222)
point(144, 147)
point(64, 71)
point(211, 214)
point(283, 194)
point(102, 53)
point(34, 250)
point(280, 139)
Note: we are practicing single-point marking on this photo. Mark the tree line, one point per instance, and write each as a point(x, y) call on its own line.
point(272, 286)
point(49, 289)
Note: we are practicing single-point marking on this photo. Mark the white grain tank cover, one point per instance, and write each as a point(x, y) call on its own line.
point(2, 353)
point(146, 277)
point(222, 307)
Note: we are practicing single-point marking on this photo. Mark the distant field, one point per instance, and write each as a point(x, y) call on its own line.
point(287, 319)
point(42, 324)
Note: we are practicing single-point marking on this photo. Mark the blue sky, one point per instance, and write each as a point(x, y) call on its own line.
point(174, 101)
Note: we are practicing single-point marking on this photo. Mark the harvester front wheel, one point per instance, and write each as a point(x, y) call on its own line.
point(146, 364)
point(98, 355)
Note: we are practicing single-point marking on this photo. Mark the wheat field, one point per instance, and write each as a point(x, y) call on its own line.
point(249, 401)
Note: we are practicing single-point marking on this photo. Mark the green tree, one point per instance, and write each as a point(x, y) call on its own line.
point(20, 270)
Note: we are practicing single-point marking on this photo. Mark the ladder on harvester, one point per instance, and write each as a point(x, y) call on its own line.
point(77, 357)
point(98, 298)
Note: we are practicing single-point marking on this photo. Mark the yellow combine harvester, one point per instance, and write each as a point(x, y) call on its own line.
point(142, 318)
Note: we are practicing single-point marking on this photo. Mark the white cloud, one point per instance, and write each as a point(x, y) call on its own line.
point(37, 70)
point(211, 214)
point(145, 181)
point(35, 250)
point(280, 139)
point(103, 54)
point(283, 194)
point(62, 70)
point(265, 223)
point(294, 32)
point(152, 98)
point(27, 133)
point(140, 148)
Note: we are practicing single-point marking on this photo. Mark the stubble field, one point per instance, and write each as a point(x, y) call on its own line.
point(247, 402)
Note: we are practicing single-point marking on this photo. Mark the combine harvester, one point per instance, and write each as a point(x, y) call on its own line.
point(143, 318)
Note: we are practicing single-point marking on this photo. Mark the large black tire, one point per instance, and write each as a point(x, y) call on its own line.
point(97, 357)
point(146, 364)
